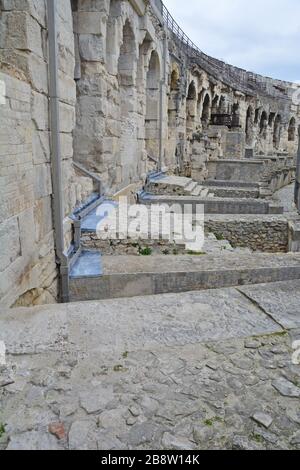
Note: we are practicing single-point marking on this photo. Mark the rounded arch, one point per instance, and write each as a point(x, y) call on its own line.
point(277, 131)
point(206, 110)
point(215, 104)
point(256, 117)
point(174, 78)
point(292, 130)
point(191, 107)
point(126, 61)
point(249, 124)
point(235, 115)
point(263, 123)
point(192, 92)
point(222, 105)
point(152, 105)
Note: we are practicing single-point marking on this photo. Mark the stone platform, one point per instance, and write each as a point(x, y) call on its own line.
point(129, 276)
point(199, 370)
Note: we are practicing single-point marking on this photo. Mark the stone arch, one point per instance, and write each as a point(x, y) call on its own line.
point(292, 130)
point(235, 115)
point(249, 125)
point(256, 117)
point(277, 131)
point(173, 96)
point(205, 117)
point(191, 108)
point(126, 77)
point(222, 105)
point(174, 79)
point(271, 119)
point(263, 124)
point(152, 106)
point(215, 105)
point(126, 62)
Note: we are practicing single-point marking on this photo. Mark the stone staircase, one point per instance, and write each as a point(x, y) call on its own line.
point(112, 268)
point(176, 185)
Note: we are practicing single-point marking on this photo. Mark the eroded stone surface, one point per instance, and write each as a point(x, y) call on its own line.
point(176, 372)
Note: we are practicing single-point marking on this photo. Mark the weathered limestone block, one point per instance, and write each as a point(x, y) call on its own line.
point(94, 5)
point(67, 88)
point(42, 181)
point(40, 113)
point(41, 147)
point(36, 8)
point(91, 47)
point(43, 219)
point(9, 242)
point(21, 31)
point(67, 116)
point(91, 23)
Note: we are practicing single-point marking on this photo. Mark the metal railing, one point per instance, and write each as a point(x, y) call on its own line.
point(97, 181)
point(248, 82)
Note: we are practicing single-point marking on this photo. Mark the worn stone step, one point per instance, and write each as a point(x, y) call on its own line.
point(198, 190)
point(191, 187)
point(129, 276)
point(214, 205)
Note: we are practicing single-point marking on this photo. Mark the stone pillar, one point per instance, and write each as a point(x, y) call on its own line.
point(297, 184)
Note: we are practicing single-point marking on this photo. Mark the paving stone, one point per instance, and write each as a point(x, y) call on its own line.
point(78, 434)
point(263, 419)
point(32, 441)
point(141, 434)
point(171, 442)
point(286, 388)
point(96, 399)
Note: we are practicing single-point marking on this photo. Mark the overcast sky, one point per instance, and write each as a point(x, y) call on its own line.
point(262, 36)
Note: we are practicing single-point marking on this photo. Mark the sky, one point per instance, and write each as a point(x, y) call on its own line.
point(261, 36)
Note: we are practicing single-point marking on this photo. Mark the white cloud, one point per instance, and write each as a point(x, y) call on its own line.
point(262, 36)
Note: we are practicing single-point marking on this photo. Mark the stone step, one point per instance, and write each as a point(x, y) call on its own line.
point(191, 187)
point(205, 193)
point(214, 205)
point(130, 276)
point(198, 190)
point(235, 192)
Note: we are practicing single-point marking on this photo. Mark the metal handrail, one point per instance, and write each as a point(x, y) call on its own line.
point(228, 74)
point(86, 172)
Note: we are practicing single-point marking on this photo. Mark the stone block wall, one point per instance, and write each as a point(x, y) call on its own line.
point(28, 272)
point(270, 234)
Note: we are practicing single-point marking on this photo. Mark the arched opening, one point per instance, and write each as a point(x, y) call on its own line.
point(256, 116)
point(277, 132)
point(206, 111)
point(175, 153)
point(223, 106)
point(191, 109)
point(215, 105)
point(112, 36)
point(271, 119)
point(235, 115)
point(174, 82)
point(173, 97)
point(249, 125)
point(263, 124)
point(152, 107)
point(128, 130)
point(292, 130)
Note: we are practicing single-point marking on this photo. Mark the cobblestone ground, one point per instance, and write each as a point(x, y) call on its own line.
point(201, 370)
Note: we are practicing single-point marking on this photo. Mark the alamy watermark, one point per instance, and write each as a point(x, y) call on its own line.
point(172, 223)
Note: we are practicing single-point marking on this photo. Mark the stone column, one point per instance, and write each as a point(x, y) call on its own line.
point(297, 184)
